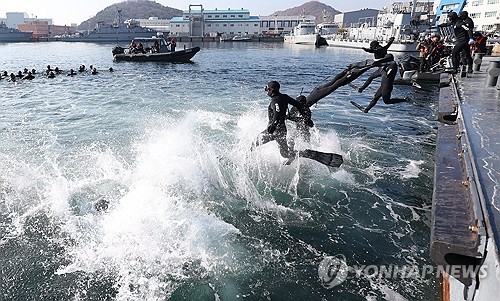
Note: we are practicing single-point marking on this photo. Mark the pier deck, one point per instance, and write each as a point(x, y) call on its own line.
point(480, 106)
point(465, 228)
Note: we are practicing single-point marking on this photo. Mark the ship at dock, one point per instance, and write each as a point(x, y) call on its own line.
point(13, 35)
point(306, 33)
point(405, 21)
point(117, 31)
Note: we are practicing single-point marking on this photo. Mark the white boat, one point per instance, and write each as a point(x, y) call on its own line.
point(305, 33)
point(404, 21)
point(241, 39)
point(327, 29)
point(238, 38)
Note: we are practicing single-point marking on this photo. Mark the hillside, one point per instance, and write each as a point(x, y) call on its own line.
point(131, 9)
point(314, 8)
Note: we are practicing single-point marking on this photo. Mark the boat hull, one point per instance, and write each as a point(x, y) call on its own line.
point(309, 39)
point(180, 56)
point(395, 47)
point(110, 37)
point(15, 37)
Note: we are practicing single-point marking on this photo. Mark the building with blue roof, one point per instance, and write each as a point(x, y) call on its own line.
point(197, 21)
point(201, 22)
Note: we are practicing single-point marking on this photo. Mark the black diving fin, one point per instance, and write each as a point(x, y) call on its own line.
point(357, 105)
point(329, 159)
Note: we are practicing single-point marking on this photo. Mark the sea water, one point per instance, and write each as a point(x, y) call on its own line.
point(193, 213)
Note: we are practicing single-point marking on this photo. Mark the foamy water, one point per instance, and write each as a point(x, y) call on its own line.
point(193, 213)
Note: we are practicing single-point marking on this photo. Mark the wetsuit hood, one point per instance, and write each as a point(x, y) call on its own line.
point(273, 88)
point(464, 15)
point(452, 16)
point(374, 44)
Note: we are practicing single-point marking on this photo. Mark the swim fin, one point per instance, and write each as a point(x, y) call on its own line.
point(357, 105)
point(353, 86)
point(329, 159)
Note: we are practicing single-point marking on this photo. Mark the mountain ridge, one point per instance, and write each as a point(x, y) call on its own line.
point(131, 9)
point(314, 8)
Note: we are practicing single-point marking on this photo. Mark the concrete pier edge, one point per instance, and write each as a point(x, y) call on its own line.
point(461, 231)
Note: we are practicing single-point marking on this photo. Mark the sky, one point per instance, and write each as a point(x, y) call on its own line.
point(65, 12)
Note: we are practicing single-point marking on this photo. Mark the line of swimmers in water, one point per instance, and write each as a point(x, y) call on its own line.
point(48, 72)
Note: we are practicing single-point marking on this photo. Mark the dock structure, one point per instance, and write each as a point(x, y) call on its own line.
point(465, 225)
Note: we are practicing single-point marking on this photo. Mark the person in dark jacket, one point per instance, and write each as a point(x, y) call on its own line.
point(276, 128)
point(462, 27)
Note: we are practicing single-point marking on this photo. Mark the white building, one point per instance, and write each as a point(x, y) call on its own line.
point(201, 22)
point(357, 18)
point(277, 25)
point(160, 25)
point(13, 19)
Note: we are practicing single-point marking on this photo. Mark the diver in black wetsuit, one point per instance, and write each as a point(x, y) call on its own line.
point(389, 72)
point(346, 76)
point(276, 129)
point(462, 27)
point(378, 53)
point(300, 121)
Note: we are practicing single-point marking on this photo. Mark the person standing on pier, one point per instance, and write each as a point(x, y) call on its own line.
point(462, 27)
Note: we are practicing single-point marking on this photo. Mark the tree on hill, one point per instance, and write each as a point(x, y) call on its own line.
point(131, 9)
point(314, 8)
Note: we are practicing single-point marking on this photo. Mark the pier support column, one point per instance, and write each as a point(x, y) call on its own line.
point(492, 73)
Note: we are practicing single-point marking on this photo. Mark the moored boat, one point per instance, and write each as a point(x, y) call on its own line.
point(305, 33)
point(237, 38)
point(154, 49)
point(328, 28)
point(118, 31)
point(13, 35)
point(405, 21)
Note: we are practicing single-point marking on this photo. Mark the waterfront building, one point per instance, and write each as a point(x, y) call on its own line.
point(160, 25)
point(201, 22)
point(279, 25)
point(231, 22)
point(13, 19)
point(356, 18)
point(42, 29)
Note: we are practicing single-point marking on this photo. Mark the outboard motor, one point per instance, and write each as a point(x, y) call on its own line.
point(118, 50)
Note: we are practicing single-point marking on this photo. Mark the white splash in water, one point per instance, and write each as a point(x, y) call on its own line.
point(412, 170)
